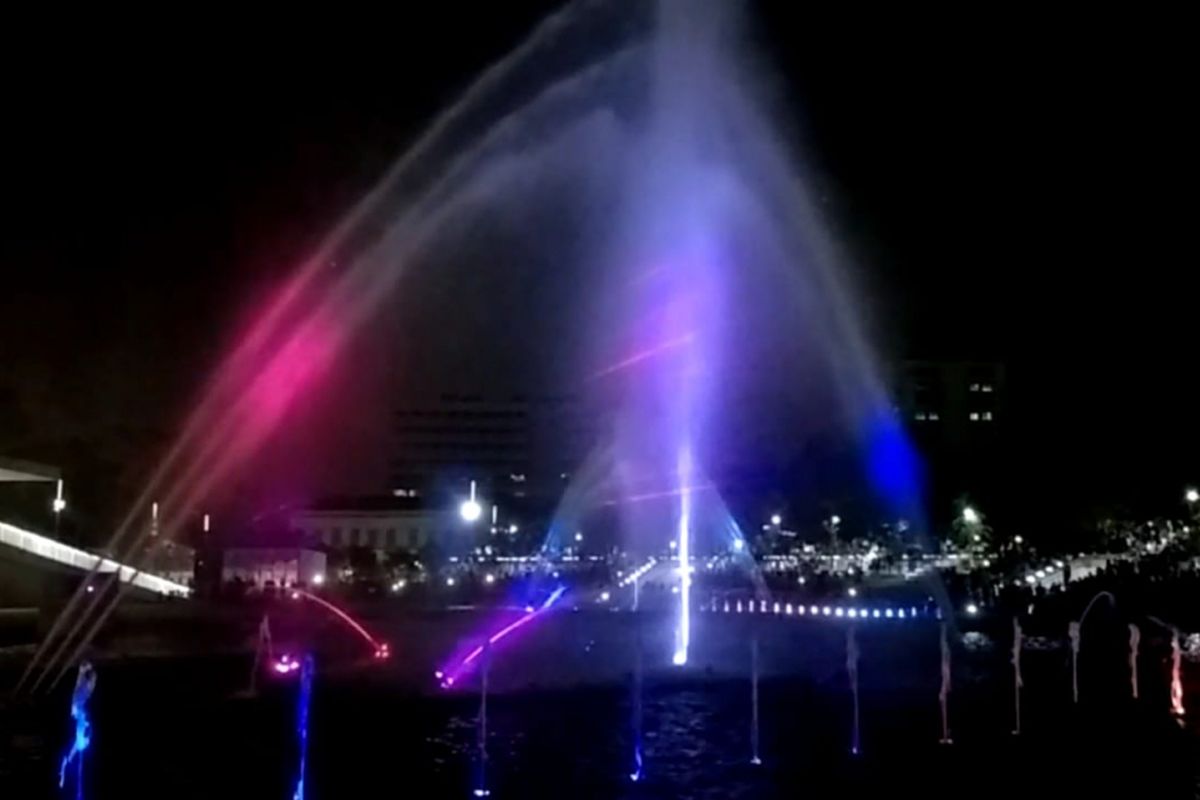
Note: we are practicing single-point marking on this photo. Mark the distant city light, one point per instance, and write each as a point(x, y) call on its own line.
point(604, 597)
point(398, 585)
point(489, 578)
point(739, 545)
point(852, 592)
point(1192, 495)
point(513, 528)
point(1018, 539)
point(318, 579)
point(839, 612)
point(449, 581)
point(972, 609)
point(776, 520)
point(1030, 579)
point(970, 515)
point(578, 536)
point(801, 580)
point(673, 544)
point(835, 520)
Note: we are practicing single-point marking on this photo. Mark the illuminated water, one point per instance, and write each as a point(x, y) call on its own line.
point(175, 726)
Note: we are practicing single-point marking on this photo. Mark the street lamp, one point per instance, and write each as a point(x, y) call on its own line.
point(1192, 495)
point(59, 505)
point(470, 510)
point(776, 520)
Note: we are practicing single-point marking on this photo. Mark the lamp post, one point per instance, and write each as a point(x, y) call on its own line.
point(470, 510)
point(59, 505)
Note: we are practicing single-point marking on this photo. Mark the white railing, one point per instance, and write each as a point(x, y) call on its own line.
point(53, 550)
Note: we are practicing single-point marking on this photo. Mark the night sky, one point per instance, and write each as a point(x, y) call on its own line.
point(1014, 186)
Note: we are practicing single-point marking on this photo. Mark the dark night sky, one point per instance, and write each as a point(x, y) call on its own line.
point(1015, 185)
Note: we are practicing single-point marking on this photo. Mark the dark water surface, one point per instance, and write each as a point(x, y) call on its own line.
point(171, 729)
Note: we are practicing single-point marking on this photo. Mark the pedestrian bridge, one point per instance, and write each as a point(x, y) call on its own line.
point(37, 550)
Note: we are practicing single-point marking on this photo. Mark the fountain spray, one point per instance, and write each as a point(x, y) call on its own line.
point(1176, 681)
point(481, 789)
point(636, 775)
point(754, 759)
point(852, 669)
point(306, 679)
point(1017, 683)
point(944, 692)
point(1135, 639)
point(1073, 635)
point(85, 683)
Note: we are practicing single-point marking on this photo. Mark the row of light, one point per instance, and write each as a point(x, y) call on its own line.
point(788, 609)
point(637, 573)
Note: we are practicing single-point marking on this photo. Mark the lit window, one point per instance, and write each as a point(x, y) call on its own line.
point(933, 416)
point(920, 416)
point(987, 387)
point(974, 416)
point(987, 416)
point(974, 387)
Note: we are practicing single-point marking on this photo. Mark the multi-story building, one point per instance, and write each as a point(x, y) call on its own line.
point(957, 414)
point(383, 524)
point(517, 448)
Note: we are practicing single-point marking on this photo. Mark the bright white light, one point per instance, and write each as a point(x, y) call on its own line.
point(578, 536)
point(839, 612)
point(449, 581)
point(1041, 573)
point(489, 578)
point(801, 580)
point(470, 510)
point(977, 538)
point(318, 579)
point(513, 528)
point(398, 585)
point(972, 609)
point(604, 597)
point(970, 515)
point(739, 545)
point(888, 613)
point(1059, 564)
point(1030, 579)
point(1018, 539)
point(679, 659)
point(875, 613)
point(1192, 495)
point(58, 505)
point(673, 545)
point(852, 613)
point(776, 520)
point(825, 611)
point(835, 520)
point(852, 592)
point(788, 609)
point(902, 613)
point(775, 608)
point(987, 562)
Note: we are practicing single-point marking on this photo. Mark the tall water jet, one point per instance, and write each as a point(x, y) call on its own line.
point(1073, 636)
point(1176, 677)
point(1018, 640)
point(1135, 639)
point(302, 706)
point(852, 671)
point(481, 785)
point(944, 691)
point(636, 723)
point(754, 754)
point(81, 740)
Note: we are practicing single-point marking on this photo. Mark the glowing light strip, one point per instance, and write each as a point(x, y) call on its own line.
point(643, 355)
point(54, 550)
point(449, 676)
point(375, 646)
